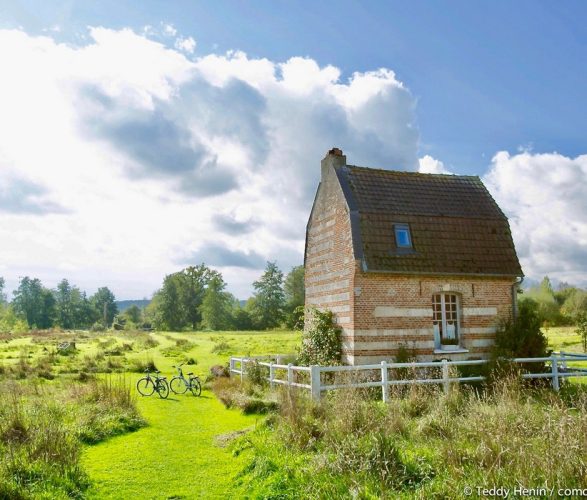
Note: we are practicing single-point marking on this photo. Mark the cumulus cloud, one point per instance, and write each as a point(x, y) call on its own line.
point(20, 196)
point(187, 44)
point(229, 224)
point(150, 151)
point(429, 165)
point(215, 254)
point(545, 197)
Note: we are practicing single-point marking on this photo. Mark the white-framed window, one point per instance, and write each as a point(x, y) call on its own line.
point(403, 238)
point(445, 318)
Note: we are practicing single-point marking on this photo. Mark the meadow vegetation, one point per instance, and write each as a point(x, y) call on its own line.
point(61, 410)
point(422, 444)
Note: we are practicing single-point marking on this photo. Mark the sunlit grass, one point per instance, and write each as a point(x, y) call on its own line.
point(176, 455)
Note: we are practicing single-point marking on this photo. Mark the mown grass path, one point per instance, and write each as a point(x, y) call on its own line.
point(176, 456)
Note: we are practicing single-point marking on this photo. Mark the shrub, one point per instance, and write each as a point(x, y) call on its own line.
point(233, 394)
point(522, 337)
point(321, 343)
point(219, 371)
point(257, 374)
point(98, 326)
point(141, 365)
point(222, 347)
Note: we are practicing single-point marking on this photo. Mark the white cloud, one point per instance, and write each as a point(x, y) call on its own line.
point(545, 196)
point(169, 29)
point(429, 165)
point(140, 157)
point(187, 45)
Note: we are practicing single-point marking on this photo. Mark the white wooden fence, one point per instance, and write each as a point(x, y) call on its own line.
point(559, 368)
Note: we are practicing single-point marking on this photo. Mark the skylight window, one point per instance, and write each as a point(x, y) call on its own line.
point(403, 238)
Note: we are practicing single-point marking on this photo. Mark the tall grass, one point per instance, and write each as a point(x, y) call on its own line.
point(39, 455)
point(422, 443)
point(42, 430)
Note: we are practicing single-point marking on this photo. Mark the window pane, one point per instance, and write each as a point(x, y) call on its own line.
point(402, 236)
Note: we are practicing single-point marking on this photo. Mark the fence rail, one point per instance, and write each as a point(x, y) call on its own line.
point(311, 377)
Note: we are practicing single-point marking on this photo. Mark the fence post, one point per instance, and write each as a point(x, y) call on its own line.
point(315, 382)
point(290, 375)
point(243, 361)
point(564, 360)
point(231, 367)
point(271, 375)
point(384, 381)
point(445, 376)
point(555, 381)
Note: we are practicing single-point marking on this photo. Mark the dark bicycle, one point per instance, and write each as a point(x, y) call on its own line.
point(148, 385)
point(179, 384)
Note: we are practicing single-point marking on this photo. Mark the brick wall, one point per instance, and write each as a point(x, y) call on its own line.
point(329, 260)
point(395, 310)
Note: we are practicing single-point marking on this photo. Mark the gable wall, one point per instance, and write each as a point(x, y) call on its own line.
point(329, 264)
point(393, 310)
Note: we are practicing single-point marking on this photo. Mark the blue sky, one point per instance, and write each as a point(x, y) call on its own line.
point(166, 133)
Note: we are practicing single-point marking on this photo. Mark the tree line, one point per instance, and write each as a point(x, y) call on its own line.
point(191, 299)
point(36, 307)
point(196, 298)
point(564, 305)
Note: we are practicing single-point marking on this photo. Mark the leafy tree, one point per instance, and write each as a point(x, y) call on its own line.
point(34, 303)
point(134, 314)
point(575, 303)
point(169, 310)
point(241, 317)
point(269, 302)
point(321, 342)
point(294, 296)
point(192, 292)
point(64, 305)
point(544, 297)
point(104, 303)
point(84, 314)
point(2, 294)
point(10, 322)
point(179, 300)
point(216, 307)
point(582, 329)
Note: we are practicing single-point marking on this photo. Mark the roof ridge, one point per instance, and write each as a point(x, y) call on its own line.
point(419, 174)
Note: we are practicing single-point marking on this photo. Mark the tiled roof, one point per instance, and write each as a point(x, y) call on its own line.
point(456, 226)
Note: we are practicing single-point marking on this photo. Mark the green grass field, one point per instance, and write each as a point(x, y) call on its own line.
point(182, 452)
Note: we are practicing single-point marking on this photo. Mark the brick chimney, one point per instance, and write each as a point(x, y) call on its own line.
point(333, 159)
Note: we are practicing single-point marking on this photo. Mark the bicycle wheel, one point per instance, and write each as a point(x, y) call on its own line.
point(162, 388)
point(145, 386)
point(177, 385)
point(195, 386)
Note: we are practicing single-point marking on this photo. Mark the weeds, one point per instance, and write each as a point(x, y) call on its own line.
point(222, 347)
point(422, 443)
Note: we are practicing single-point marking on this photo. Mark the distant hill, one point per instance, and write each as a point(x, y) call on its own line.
point(125, 304)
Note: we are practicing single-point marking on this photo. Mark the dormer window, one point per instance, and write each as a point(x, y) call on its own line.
point(403, 238)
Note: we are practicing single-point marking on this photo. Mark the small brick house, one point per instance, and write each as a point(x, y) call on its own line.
point(423, 261)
